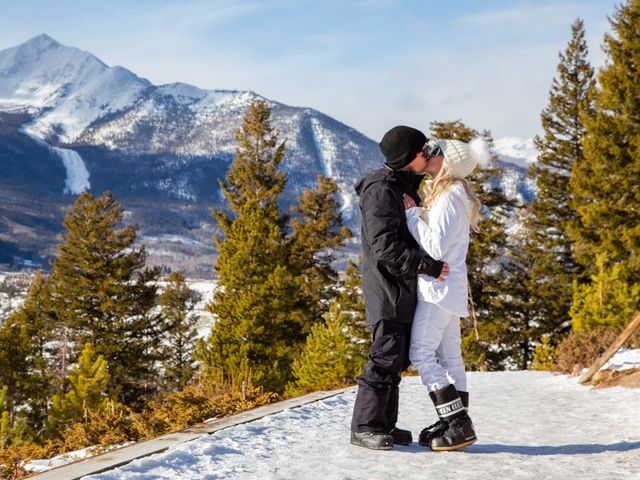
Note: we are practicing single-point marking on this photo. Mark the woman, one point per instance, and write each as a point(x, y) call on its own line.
point(441, 227)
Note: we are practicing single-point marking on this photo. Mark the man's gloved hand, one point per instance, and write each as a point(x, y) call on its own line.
point(433, 268)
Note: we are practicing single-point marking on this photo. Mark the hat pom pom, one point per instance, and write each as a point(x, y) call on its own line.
point(480, 150)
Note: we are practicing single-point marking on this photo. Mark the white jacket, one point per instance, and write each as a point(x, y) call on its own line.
point(445, 236)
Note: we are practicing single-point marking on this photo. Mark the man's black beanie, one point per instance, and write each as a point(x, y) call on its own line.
point(400, 145)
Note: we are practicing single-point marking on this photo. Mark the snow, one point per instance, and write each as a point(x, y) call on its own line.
point(77, 180)
point(39, 466)
point(70, 87)
point(529, 424)
point(516, 150)
point(624, 359)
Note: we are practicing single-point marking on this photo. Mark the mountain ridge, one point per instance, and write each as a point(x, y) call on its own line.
point(160, 149)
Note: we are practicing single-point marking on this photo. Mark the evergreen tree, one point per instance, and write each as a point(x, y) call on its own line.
point(87, 393)
point(317, 231)
point(28, 356)
point(519, 332)
point(177, 302)
point(274, 272)
point(552, 269)
point(608, 301)
point(102, 295)
point(258, 320)
point(328, 360)
point(605, 186)
point(351, 304)
point(254, 177)
point(15, 348)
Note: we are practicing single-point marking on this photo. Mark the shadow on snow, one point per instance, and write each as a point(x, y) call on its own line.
point(579, 449)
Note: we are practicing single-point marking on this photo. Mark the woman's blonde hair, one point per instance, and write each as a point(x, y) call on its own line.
point(431, 190)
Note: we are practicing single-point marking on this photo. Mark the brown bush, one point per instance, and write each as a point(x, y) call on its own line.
point(196, 403)
point(13, 458)
point(101, 430)
point(583, 348)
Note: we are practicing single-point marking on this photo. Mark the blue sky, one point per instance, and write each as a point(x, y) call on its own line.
point(371, 64)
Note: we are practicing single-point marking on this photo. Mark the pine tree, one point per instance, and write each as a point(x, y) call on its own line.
point(258, 324)
point(317, 231)
point(254, 177)
point(351, 303)
point(87, 393)
point(327, 361)
point(34, 320)
point(274, 272)
point(608, 301)
point(520, 333)
point(553, 267)
point(605, 186)
point(177, 302)
point(102, 294)
point(15, 348)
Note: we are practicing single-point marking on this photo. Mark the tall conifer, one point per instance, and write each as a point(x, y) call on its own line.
point(316, 232)
point(258, 323)
point(605, 186)
point(274, 270)
point(102, 294)
point(552, 266)
point(177, 302)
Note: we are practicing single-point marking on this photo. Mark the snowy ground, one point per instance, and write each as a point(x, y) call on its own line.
point(530, 425)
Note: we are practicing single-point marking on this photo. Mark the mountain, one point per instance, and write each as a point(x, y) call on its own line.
point(70, 123)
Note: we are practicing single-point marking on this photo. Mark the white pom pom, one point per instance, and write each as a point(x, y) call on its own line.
point(480, 149)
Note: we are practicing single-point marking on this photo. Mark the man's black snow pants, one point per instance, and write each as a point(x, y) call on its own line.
point(376, 405)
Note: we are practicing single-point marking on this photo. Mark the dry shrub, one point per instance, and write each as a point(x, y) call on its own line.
point(117, 425)
point(196, 403)
point(583, 348)
point(100, 430)
point(13, 458)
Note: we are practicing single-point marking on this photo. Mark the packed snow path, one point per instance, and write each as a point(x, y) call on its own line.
point(530, 425)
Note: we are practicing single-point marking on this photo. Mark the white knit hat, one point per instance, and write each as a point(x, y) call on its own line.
point(462, 157)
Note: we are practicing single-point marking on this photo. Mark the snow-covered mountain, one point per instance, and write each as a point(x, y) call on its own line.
point(515, 156)
point(70, 123)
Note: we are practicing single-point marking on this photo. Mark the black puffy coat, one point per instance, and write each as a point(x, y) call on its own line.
point(391, 256)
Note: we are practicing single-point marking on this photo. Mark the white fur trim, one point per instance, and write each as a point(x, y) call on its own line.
point(480, 149)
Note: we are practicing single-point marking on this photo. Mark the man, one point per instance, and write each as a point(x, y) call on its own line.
point(391, 263)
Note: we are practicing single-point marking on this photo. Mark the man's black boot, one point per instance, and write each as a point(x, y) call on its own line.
point(401, 436)
point(372, 440)
point(456, 429)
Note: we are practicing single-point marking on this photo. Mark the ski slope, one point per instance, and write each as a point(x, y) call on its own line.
point(530, 425)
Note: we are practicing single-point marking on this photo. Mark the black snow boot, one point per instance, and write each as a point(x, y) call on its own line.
point(457, 429)
point(400, 436)
point(440, 426)
point(372, 440)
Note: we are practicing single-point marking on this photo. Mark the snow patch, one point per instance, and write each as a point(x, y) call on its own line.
point(624, 359)
point(77, 180)
point(517, 150)
point(325, 147)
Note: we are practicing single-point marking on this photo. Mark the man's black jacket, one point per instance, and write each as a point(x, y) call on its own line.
point(391, 257)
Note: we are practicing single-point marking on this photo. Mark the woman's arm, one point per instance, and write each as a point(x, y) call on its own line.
point(435, 235)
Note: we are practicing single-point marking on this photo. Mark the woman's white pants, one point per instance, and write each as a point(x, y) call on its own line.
point(435, 348)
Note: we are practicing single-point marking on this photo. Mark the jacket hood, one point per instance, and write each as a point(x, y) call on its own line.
point(403, 177)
